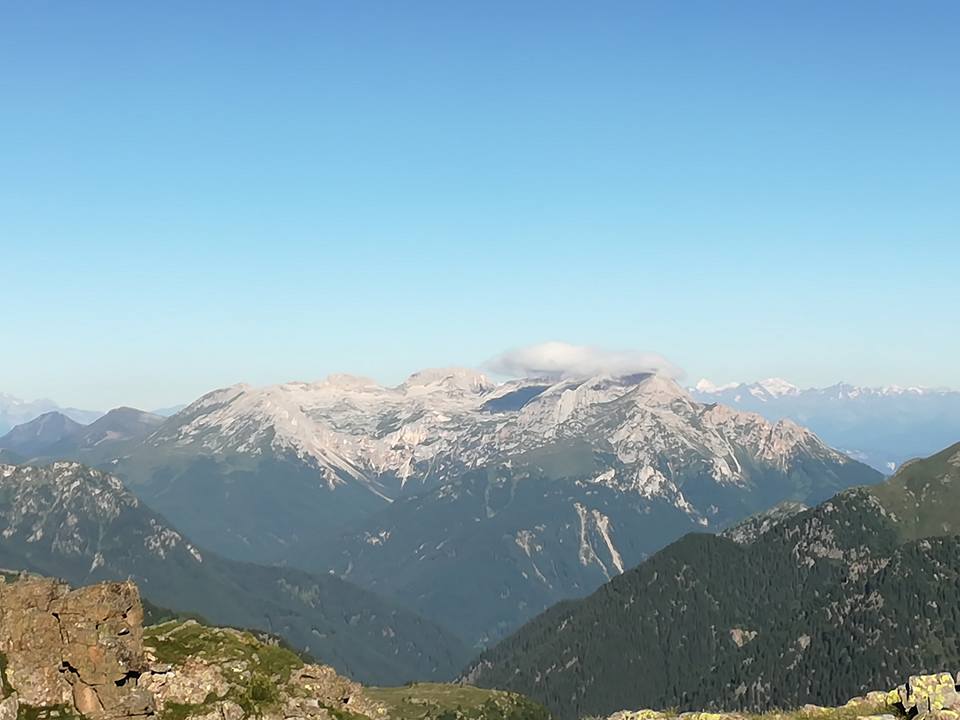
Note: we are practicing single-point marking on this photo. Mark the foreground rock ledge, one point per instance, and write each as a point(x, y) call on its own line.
point(921, 697)
point(66, 653)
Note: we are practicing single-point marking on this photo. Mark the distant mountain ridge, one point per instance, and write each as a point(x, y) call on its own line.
point(882, 426)
point(54, 435)
point(539, 489)
point(866, 584)
point(43, 432)
point(14, 411)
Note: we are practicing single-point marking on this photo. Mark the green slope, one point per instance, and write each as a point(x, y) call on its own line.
point(433, 701)
point(851, 585)
point(925, 495)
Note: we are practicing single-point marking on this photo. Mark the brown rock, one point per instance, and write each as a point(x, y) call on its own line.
point(30, 638)
point(81, 648)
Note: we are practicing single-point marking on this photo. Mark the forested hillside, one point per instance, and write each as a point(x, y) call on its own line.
point(815, 607)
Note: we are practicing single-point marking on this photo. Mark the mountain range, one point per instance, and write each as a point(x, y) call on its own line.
point(881, 426)
point(341, 513)
point(475, 503)
point(56, 435)
point(793, 606)
point(14, 411)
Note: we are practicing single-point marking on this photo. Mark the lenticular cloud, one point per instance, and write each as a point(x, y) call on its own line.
point(563, 360)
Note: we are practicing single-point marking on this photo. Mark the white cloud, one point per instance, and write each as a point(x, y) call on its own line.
point(563, 360)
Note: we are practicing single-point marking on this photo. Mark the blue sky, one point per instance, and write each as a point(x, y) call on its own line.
point(194, 194)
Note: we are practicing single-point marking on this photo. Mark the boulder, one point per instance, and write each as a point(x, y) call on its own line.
point(925, 694)
point(30, 639)
point(81, 648)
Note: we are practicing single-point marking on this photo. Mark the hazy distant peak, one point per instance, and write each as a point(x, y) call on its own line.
point(778, 387)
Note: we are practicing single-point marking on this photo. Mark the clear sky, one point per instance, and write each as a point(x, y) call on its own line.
point(198, 193)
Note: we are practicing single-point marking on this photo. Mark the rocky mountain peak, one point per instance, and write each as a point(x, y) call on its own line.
point(777, 387)
point(355, 431)
point(47, 429)
point(454, 378)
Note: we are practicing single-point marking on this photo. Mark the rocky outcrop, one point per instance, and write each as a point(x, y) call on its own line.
point(85, 652)
point(226, 674)
point(930, 695)
point(76, 648)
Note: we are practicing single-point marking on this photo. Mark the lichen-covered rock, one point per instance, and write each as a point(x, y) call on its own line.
point(638, 715)
point(929, 693)
point(9, 707)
